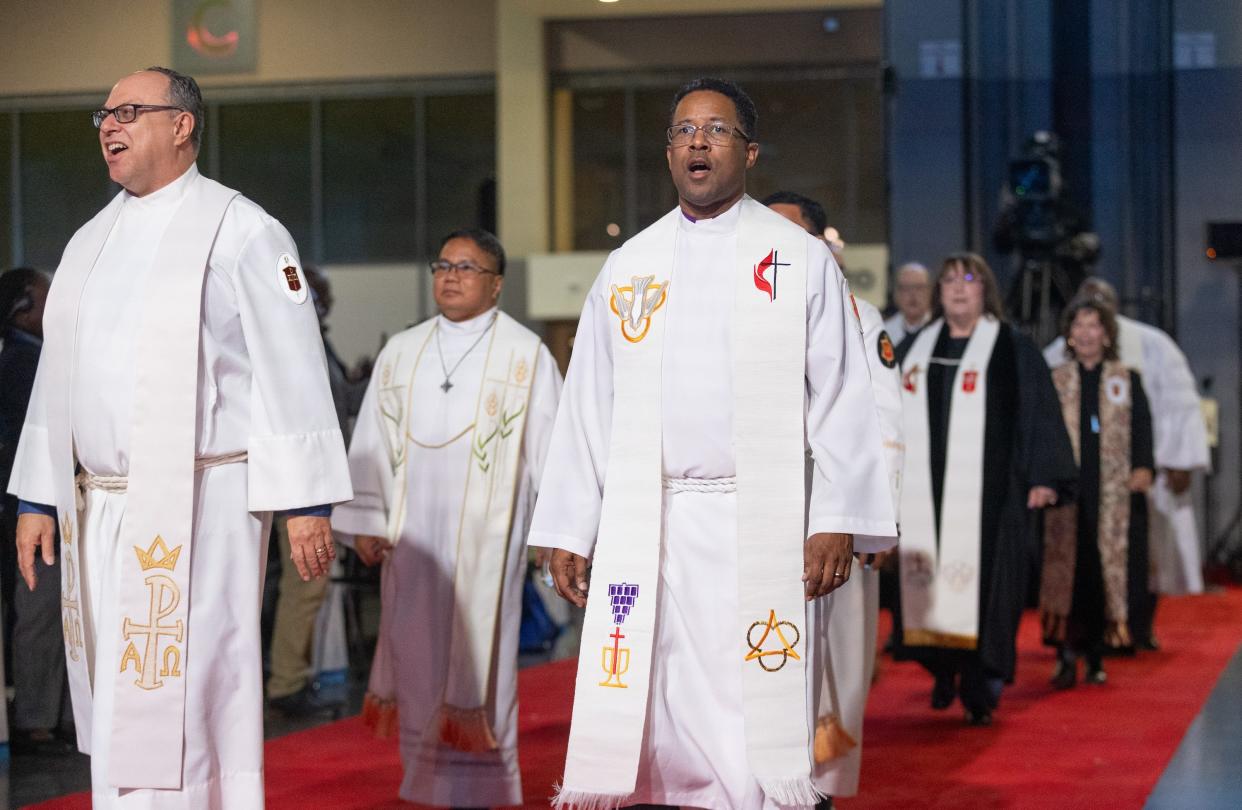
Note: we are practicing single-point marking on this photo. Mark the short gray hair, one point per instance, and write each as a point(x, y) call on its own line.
point(183, 92)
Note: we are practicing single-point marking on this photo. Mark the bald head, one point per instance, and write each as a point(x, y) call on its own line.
point(913, 293)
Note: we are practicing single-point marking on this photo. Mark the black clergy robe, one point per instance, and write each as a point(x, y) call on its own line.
point(1025, 445)
point(1087, 614)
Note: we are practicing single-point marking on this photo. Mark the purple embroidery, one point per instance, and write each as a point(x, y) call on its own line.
point(623, 597)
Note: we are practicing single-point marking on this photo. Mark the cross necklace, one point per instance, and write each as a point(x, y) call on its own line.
point(448, 373)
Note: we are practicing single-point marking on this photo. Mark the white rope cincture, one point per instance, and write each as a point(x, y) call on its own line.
point(715, 486)
point(119, 484)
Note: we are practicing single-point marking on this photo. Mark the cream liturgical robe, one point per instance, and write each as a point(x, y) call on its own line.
point(694, 749)
point(1180, 443)
point(850, 614)
point(264, 438)
point(415, 454)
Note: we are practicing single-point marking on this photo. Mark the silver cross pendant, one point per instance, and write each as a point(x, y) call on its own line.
point(445, 386)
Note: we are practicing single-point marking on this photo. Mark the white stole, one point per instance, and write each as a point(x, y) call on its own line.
point(486, 520)
point(148, 722)
point(940, 586)
point(769, 360)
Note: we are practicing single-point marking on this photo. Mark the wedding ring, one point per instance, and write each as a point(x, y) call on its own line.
point(319, 552)
point(838, 576)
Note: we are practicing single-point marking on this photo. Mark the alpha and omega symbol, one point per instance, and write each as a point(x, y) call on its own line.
point(615, 659)
point(959, 575)
point(165, 596)
point(635, 303)
point(764, 656)
point(762, 282)
point(917, 567)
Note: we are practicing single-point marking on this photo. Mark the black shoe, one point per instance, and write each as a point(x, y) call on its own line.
point(943, 692)
point(978, 717)
point(1148, 645)
point(303, 703)
point(1066, 674)
point(1095, 674)
point(35, 744)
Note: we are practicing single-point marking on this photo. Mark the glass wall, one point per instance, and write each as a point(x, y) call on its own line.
point(357, 175)
point(6, 191)
point(265, 153)
point(820, 134)
point(64, 182)
point(369, 173)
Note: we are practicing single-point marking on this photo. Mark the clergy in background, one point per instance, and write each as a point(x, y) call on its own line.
point(985, 449)
point(1083, 591)
point(446, 458)
point(1181, 448)
point(715, 349)
point(183, 378)
point(913, 296)
point(849, 616)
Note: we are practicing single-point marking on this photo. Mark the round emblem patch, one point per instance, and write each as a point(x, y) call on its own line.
point(291, 279)
point(1117, 389)
point(884, 346)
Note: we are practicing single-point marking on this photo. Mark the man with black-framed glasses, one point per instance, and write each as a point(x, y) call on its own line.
point(446, 458)
point(182, 397)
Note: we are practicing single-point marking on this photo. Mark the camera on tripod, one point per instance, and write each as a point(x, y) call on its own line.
point(1051, 238)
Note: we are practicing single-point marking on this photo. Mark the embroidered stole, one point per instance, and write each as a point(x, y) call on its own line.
point(769, 358)
point(940, 581)
point(463, 721)
point(1113, 521)
point(148, 720)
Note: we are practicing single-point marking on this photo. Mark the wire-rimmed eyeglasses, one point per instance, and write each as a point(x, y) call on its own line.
point(717, 133)
point(467, 268)
point(126, 113)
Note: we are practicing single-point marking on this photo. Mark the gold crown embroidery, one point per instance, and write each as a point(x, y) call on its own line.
point(166, 559)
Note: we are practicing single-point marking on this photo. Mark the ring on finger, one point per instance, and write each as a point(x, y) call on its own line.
point(838, 576)
point(321, 551)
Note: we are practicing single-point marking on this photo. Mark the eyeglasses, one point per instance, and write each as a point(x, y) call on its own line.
point(126, 113)
point(717, 134)
point(949, 279)
point(440, 266)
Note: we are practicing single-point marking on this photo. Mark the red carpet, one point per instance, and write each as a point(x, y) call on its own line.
point(1090, 747)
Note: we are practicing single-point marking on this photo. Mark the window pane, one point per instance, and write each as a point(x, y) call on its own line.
point(461, 164)
point(368, 180)
point(6, 191)
point(599, 169)
point(64, 181)
point(656, 193)
point(265, 154)
point(821, 138)
point(824, 139)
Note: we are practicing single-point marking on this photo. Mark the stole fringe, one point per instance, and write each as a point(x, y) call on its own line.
point(831, 740)
point(380, 715)
point(465, 729)
point(563, 799)
point(800, 792)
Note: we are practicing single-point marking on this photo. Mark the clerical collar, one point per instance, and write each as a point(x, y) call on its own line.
point(170, 193)
point(470, 325)
point(725, 222)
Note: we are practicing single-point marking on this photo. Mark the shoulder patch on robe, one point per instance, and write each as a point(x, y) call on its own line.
point(884, 346)
point(291, 279)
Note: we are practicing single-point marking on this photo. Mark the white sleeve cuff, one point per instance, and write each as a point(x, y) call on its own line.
point(577, 545)
point(296, 470)
point(32, 479)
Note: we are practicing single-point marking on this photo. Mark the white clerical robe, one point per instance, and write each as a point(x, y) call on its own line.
point(899, 329)
point(423, 562)
point(694, 747)
point(263, 390)
point(1180, 444)
point(850, 614)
